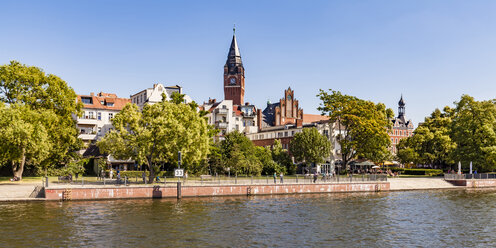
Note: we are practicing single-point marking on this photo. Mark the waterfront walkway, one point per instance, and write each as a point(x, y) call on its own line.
point(419, 183)
point(26, 191)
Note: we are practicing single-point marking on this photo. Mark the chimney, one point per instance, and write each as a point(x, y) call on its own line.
point(259, 119)
point(247, 103)
point(92, 94)
point(299, 122)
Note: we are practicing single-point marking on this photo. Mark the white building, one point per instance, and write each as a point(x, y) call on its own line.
point(154, 95)
point(98, 111)
point(228, 117)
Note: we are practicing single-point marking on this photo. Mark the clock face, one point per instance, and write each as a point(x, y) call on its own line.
point(232, 80)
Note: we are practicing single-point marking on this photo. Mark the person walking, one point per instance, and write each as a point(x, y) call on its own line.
point(282, 177)
point(275, 177)
point(111, 173)
point(315, 176)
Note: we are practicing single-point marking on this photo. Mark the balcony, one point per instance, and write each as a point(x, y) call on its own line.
point(87, 121)
point(221, 125)
point(86, 136)
point(222, 111)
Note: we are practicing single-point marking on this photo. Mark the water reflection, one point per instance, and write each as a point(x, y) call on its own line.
point(395, 219)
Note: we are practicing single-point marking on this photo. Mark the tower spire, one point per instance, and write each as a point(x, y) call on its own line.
point(401, 108)
point(234, 56)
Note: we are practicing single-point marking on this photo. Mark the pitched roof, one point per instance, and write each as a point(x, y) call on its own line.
point(101, 100)
point(309, 118)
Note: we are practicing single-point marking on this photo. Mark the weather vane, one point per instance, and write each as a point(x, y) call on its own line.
point(234, 28)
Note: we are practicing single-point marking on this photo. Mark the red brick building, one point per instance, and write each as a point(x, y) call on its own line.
point(401, 127)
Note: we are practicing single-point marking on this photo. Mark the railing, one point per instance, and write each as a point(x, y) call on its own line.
point(221, 125)
point(223, 180)
point(469, 176)
point(222, 111)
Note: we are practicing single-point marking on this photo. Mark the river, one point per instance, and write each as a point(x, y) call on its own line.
point(450, 218)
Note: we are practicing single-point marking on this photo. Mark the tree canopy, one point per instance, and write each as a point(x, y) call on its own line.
point(362, 125)
point(156, 134)
point(26, 91)
point(431, 142)
point(310, 146)
point(465, 133)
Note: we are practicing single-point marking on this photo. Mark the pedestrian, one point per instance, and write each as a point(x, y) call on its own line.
point(315, 177)
point(143, 175)
point(282, 177)
point(118, 178)
point(111, 173)
point(275, 176)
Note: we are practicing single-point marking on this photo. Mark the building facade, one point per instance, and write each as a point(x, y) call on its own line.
point(401, 127)
point(98, 111)
point(154, 95)
point(227, 117)
point(232, 113)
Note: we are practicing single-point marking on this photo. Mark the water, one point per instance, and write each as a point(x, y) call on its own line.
point(395, 219)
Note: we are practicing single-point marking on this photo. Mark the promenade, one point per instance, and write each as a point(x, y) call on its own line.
point(28, 191)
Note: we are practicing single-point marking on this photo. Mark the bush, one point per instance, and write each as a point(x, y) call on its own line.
point(133, 174)
point(421, 172)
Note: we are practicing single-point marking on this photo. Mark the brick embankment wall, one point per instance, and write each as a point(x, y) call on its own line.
point(199, 191)
point(474, 183)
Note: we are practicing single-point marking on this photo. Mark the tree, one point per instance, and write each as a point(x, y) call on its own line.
point(474, 132)
point(362, 125)
point(310, 146)
point(239, 154)
point(28, 89)
point(24, 136)
point(431, 143)
point(156, 135)
point(282, 158)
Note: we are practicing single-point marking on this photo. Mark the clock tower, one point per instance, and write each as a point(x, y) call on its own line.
point(234, 74)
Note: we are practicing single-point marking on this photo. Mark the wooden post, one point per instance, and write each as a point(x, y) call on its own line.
point(179, 190)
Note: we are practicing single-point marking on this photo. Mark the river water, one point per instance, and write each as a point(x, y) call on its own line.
point(459, 218)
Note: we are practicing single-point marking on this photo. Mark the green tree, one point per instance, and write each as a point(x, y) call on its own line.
point(47, 95)
point(474, 132)
point(269, 166)
point(282, 158)
point(24, 136)
point(156, 135)
point(362, 125)
point(310, 146)
point(239, 154)
point(431, 142)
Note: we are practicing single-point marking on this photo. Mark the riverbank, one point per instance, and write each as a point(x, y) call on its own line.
point(34, 192)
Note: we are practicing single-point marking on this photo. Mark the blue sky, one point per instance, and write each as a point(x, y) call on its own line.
point(432, 52)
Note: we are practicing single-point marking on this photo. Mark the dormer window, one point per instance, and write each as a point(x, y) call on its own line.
point(86, 100)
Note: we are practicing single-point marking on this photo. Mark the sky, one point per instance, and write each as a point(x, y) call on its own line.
point(431, 52)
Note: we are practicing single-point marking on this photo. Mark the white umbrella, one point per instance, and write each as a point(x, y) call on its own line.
point(470, 167)
point(375, 167)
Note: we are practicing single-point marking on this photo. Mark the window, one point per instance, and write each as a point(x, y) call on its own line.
point(90, 115)
point(111, 115)
point(99, 130)
point(99, 116)
point(110, 104)
point(86, 100)
point(285, 134)
point(292, 133)
point(396, 141)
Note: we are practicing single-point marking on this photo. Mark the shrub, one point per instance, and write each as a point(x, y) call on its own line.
point(427, 172)
point(133, 174)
